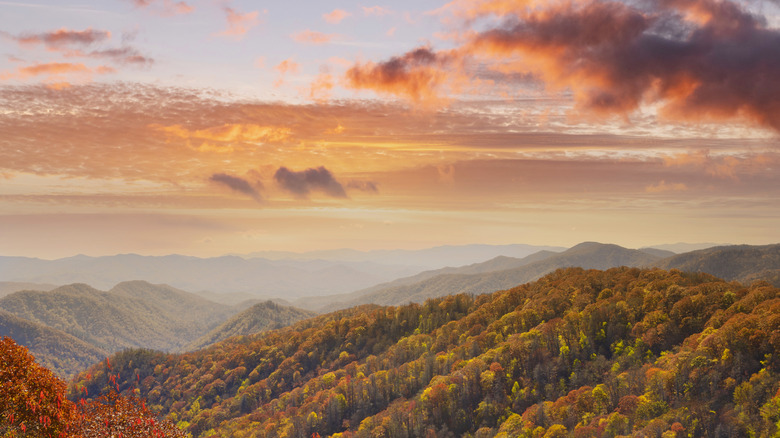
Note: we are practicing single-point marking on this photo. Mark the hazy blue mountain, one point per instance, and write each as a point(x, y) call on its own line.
point(743, 263)
point(430, 258)
point(478, 279)
point(682, 247)
point(229, 274)
point(9, 287)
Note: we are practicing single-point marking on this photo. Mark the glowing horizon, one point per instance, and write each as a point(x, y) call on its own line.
point(212, 127)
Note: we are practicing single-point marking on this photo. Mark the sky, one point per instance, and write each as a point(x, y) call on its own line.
point(208, 127)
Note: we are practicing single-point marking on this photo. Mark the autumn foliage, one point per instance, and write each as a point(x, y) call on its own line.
point(580, 353)
point(33, 404)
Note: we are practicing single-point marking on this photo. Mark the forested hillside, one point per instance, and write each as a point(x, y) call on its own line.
point(258, 318)
point(62, 353)
point(132, 314)
point(580, 353)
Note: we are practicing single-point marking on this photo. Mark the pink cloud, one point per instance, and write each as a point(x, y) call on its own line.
point(335, 16)
point(312, 37)
point(239, 23)
point(166, 7)
point(376, 11)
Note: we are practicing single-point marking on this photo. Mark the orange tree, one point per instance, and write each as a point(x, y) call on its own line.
point(33, 403)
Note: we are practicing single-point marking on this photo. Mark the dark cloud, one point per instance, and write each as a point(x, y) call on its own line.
point(303, 182)
point(699, 58)
point(416, 74)
point(365, 186)
point(237, 184)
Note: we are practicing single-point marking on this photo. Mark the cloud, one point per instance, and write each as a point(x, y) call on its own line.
point(58, 39)
point(124, 56)
point(287, 66)
point(663, 187)
point(320, 89)
point(418, 75)
point(364, 186)
point(72, 44)
point(376, 11)
point(335, 16)
point(237, 184)
point(166, 7)
point(239, 23)
point(688, 60)
point(312, 37)
point(302, 183)
point(227, 134)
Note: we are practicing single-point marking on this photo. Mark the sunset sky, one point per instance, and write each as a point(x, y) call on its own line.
point(207, 127)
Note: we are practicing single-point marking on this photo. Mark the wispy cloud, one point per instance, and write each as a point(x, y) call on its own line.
point(165, 7)
point(239, 23)
point(312, 37)
point(62, 38)
point(376, 11)
point(335, 16)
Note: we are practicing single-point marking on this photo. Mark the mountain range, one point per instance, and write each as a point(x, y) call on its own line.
point(584, 353)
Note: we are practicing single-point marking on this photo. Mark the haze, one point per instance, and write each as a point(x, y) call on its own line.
point(213, 127)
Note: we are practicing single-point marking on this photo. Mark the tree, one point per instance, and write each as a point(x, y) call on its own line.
point(33, 403)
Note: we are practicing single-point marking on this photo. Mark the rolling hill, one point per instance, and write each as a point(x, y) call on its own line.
point(58, 351)
point(744, 263)
point(132, 314)
point(261, 317)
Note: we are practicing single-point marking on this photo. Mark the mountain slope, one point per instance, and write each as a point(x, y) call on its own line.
point(331, 302)
point(9, 287)
point(56, 350)
point(133, 314)
point(744, 263)
point(258, 318)
point(588, 255)
point(580, 353)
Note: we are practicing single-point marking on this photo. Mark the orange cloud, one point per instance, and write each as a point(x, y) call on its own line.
point(57, 39)
point(238, 23)
point(166, 7)
point(287, 66)
point(376, 11)
point(662, 187)
point(335, 16)
point(320, 89)
point(418, 75)
point(228, 133)
point(312, 37)
point(693, 59)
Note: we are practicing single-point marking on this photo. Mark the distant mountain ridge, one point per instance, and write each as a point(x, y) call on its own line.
point(227, 274)
point(736, 262)
point(479, 278)
point(743, 263)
